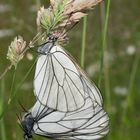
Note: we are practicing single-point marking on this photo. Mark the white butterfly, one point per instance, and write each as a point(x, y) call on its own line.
point(60, 83)
point(88, 123)
point(68, 105)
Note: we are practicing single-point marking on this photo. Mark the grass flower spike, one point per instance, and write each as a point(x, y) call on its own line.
point(51, 17)
point(44, 18)
point(16, 50)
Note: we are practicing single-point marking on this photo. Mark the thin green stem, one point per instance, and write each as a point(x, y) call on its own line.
point(132, 80)
point(2, 97)
point(106, 65)
point(104, 68)
point(2, 124)
point(13, 95)
point(129, 97)
point(12, 86)
point(38, 4)
point(107, 86)
point(5, 71)
point(83, 41)
point(20, 84)
point(104, 41)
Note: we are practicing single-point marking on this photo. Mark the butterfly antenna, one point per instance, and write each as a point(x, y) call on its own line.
point(22, 107)
point(20, 116)
point(19, 120)
point(20, 126)
point(31, 49)
point(32, 42)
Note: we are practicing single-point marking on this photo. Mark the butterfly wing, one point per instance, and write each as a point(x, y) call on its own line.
point(60, 84)
point(89, 122)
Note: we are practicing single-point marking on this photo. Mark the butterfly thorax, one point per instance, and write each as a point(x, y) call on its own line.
point(48, 45)
point(27, 125)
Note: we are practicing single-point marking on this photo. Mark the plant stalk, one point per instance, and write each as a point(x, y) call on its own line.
point(83, 41)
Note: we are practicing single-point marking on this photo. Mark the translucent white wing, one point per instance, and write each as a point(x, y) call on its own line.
point(60, 84)
point(88, 123)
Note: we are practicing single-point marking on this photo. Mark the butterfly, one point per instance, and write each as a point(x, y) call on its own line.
point(69, 105)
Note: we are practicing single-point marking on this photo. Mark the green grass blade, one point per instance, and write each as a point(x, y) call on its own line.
point(104, 41)
point(2, 123)
point(104, 68)
point(14, 90)
point(2, 127)
point(2, 97)
point(129, 104)
point(132, 79)
point(83, 41)
point(20, 84)
point(12, 86)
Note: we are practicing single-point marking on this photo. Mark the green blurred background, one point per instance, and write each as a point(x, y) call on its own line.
point(120, 83)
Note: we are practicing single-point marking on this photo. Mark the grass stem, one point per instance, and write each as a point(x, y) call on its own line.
point(14, 93)
point(20, 84)
point(104, 41)
point(132, 80)
point(2, 127)
point(129, 98)
point(104, 62)
point(2, 123)
point(104, 58)
point(83, 41)
point(5, 71)
point(12, 86)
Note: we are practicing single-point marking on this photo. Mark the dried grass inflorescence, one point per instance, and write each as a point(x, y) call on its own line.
point(16, 50)
point(64, 13)
point(77, 9)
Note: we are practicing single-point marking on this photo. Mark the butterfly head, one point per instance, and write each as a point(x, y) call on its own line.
point(46, 47)
point(27, 125)
point(57, 36)
point(53, 38)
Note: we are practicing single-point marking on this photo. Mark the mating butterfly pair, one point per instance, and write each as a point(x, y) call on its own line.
point(69, 105)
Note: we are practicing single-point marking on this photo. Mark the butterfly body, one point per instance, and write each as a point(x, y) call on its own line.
point(27, 126)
